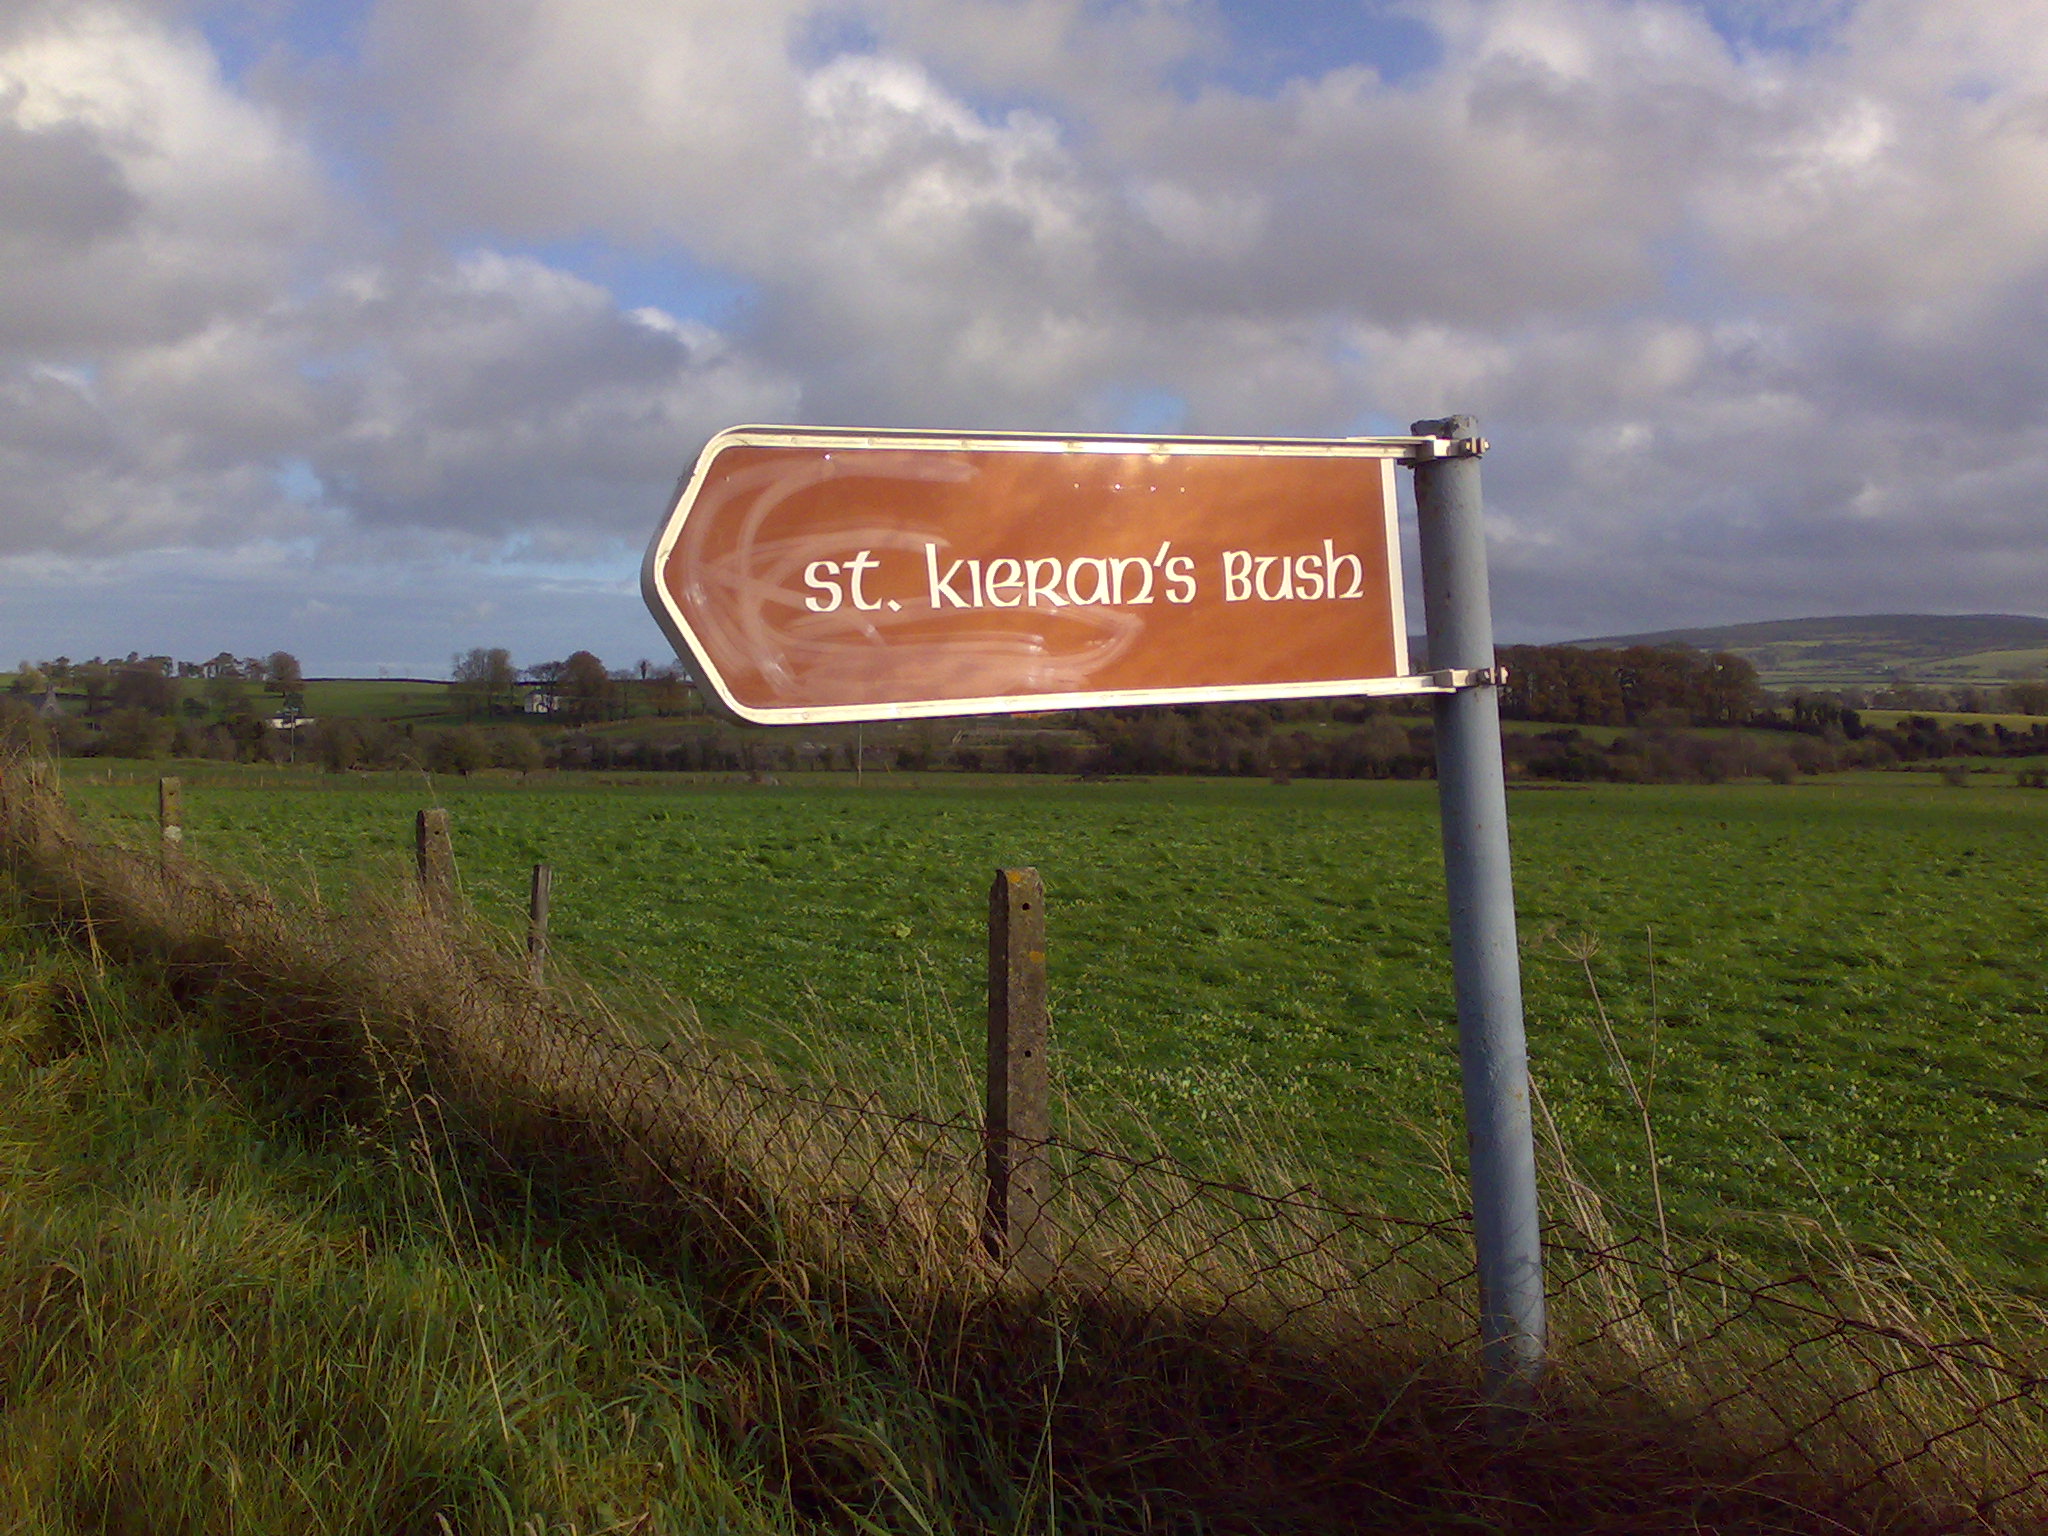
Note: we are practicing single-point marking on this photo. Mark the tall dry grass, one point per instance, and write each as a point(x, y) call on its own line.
point(1208, 1356)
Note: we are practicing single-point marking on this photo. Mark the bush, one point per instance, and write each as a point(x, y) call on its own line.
point(136, 733)
point(516, 749)
point(460, 751)
point(22, 729)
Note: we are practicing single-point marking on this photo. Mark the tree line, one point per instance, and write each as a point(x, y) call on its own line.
point(1639, 714)
point(1634, 685)
point(1296, 742)
point(146, 705)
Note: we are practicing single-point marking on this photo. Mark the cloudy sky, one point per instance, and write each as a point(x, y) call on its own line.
point(378, 329)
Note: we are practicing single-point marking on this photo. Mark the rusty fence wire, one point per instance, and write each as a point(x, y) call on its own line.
point(1829, 1375)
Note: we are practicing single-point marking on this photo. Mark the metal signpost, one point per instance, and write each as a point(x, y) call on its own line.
point(1486, 964)
point(817, 574)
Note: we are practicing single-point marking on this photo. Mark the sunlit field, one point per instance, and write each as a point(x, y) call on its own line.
point(1829, 993)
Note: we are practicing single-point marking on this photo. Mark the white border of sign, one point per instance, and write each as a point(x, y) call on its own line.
point(1389, 450)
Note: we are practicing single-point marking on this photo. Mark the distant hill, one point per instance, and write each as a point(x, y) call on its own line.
point(1872, 649)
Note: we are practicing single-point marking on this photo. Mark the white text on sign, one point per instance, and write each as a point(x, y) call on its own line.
point(1089, 581)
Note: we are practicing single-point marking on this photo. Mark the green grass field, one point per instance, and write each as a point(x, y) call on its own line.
point(1817, 664)
point(1993, 666)
point(1886, 718)
point(1838, 983)
point(362, 698)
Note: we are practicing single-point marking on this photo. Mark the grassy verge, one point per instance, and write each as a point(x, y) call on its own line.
point(223, 1310)
point(328, 1205)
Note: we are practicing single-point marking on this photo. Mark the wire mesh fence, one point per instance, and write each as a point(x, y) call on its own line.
point(1834, 1377)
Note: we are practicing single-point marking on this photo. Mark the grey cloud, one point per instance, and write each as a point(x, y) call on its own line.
point(143, 199)
point(62, 191)
point(495, 396)
point(1504, 233)
point(180, 344)
point(542, 119)
point(489, 398)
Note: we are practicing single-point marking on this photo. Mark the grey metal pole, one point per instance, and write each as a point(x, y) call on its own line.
point(1472, 794)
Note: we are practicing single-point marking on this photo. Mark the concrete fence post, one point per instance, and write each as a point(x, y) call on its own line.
point(434, 855)
point(537, 923)
point(170, 812)
point(1019, 1118)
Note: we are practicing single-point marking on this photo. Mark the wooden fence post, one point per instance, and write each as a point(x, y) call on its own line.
point(435, 855)
point(1019, 1121)
point(537, 923)
point(170, 812)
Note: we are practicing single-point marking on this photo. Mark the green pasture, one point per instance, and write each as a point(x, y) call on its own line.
point(1887, 718)
point(362, 698)
point(1873, 663)
point(1837, 984)
point(1991, 666)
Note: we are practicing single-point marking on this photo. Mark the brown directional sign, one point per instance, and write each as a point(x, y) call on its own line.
point(816, 574)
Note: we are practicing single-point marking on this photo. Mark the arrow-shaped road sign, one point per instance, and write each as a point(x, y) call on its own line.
point(816, 574)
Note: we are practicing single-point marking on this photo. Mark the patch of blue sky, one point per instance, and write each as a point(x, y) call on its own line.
point(350, 164)
point(297, 479)
point(1271, 42)
point(671, 281)
point(1141, 409)
point(302, 551)
point(1692, 281)
point(80, 374)
point(1375, 424)
point(1977, 89)
point(843, 30)
point(242, 36)
point(831, 32)
point(1798, 27)
point(609, 562)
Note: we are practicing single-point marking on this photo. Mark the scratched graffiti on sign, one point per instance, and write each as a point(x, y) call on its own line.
point(816, 581)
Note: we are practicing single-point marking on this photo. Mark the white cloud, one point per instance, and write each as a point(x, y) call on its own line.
point(178, 328)
point(144, 196)
point(540, 118)
point(1753, 299)
point(495, 395)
